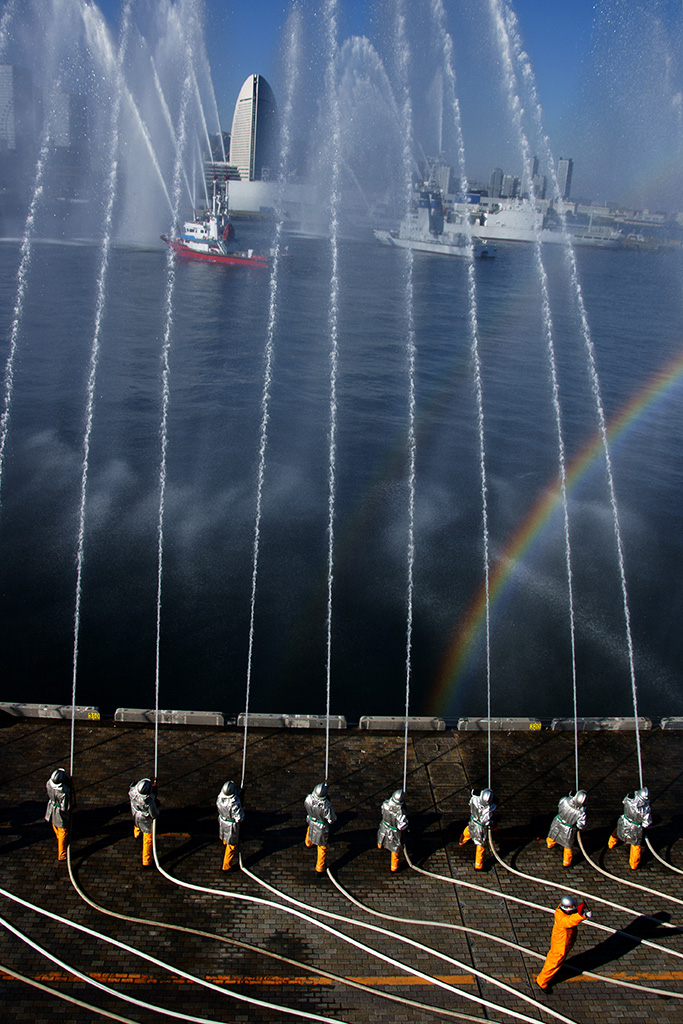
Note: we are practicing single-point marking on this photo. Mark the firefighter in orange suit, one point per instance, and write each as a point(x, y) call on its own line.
point(482, 806)
point(319, 817)
point(570, 819)
point(394, 822)
point(631, 826)
point(230, 816)
point(144, 807)
point(568, 917)
point(59, 804)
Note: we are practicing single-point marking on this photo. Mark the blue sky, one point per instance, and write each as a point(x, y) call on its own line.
point(243, 38)
point(608, 74)
point(557, 36)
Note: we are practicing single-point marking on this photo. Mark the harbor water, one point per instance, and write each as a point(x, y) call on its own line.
point(218, 337)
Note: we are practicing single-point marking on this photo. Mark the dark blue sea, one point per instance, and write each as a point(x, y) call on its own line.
point(634, 304)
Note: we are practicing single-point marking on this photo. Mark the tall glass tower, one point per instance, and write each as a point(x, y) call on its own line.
point(253, 139)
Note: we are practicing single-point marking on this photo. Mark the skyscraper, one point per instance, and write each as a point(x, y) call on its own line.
point(253, 138)
point(495, 181)
point(17, 122)
point(564, 176)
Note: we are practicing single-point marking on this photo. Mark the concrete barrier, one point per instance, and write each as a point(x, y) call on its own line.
point(268, 721)
point(602, 724)
point(500, 724)
point(90, 714)
point(397, 723)
point(671, 723)
point(169, 717)
point(262, 721)
point(314, 721)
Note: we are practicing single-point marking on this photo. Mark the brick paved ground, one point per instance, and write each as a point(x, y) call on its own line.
point(530, 772)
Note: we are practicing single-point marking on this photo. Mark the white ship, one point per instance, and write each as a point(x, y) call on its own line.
point(427, 229)
point(518, 220)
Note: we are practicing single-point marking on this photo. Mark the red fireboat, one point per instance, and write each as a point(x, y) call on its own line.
point(207, 238)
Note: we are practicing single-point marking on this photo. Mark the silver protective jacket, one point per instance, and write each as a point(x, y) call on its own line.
point(481, 816)
point(394, 821)
point(570, 818)
point(319, 817)
point(58, 811)
point(144, 808)
point(636, 818)
point(230, 814)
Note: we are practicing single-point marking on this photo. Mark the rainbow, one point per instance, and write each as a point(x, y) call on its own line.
point(469, 630)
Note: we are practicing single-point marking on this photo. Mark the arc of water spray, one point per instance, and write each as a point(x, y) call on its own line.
point(516, 113)
point(22, 278)
point(95, 345)
point(110, 57)
point(403, 52)
point(333, 319)
point(169, 122)
point(439, 17)
point(166, 393)
point(5, 22)
point(291, 56)
point(508, 20)
point(200, 108)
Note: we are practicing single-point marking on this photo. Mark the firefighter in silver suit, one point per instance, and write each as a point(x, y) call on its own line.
point(319, 817)
point(59, 805)
point(394, 822)
point(230, 814)
point(570, 819)
point(145, 808)
point(482, 807)
point(631, 825)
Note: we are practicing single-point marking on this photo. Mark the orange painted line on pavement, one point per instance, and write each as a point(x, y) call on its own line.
point(373, 980)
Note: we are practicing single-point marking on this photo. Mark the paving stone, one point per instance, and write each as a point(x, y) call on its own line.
point(529, 773)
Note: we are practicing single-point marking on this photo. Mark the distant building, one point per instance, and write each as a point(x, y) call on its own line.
point(220, 146)
point(17, 128)
point(253, 139)
point(496, 182)
point(564, 177)
point(218, 171)
point(539, 185)
point(510, 186)
point(17, 120)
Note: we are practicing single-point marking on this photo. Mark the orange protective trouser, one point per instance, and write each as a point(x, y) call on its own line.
point(634, 852)
point(229, 857)
point(320, 862)
point(478, 851)
point(62, 837)
point(394, 861)
point(568, 854)
point(147, 855)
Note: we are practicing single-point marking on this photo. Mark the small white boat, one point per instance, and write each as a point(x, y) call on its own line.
point(426, 229)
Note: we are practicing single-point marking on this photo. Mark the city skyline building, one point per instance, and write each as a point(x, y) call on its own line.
point(496, 181)
point(510, 187)
point(17, 112)
point(253, 137)
point(565, 168)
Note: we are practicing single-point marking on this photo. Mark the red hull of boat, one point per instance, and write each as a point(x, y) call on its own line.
point(183, 252)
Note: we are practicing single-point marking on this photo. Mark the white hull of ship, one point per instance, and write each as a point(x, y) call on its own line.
point(480, 250)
